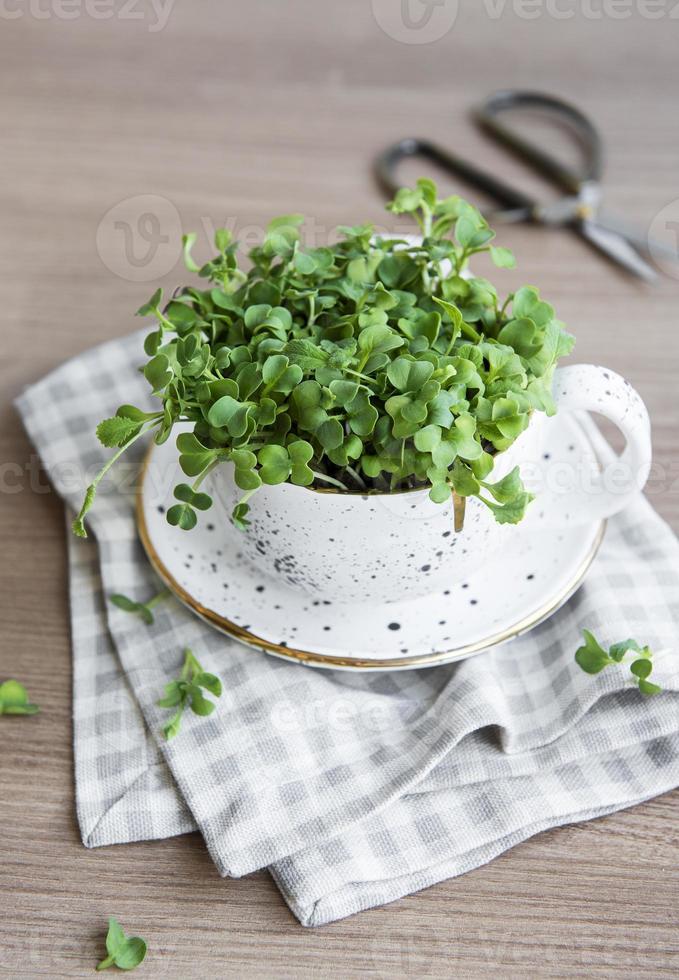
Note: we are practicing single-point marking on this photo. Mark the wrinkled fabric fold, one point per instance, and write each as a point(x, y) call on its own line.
point(353, 788)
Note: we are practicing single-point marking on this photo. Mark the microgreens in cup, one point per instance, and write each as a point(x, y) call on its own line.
point(14, 700)
point(374, 364)
point(125, 952)
point(142, 609)
point(593, 658)
point(187, 691)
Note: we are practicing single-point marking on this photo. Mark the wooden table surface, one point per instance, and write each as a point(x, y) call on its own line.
point(231, 113)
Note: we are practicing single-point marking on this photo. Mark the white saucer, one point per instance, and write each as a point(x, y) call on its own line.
point(203, 568)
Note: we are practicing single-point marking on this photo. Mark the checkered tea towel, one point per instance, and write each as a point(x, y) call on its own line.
point(353, 789)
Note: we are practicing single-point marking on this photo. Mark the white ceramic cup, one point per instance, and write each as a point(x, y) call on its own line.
point(382, 547)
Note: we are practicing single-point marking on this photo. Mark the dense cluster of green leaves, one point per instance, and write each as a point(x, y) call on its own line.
point(593, 658)
point(371, 364)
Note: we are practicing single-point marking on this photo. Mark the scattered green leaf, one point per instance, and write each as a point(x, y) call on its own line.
point(593, 658)
point(125, 952)
point(142, 609)
point(14, 699)
point(186, 692)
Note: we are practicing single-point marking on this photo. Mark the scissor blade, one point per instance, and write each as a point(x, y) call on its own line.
point(615, 247)
point(649, 246)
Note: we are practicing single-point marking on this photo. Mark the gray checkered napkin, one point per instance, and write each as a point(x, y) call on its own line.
point(353, 789)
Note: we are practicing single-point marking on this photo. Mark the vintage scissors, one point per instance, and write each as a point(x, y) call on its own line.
point(578, 208)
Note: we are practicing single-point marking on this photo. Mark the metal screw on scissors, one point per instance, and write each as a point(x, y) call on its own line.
point(578, 209)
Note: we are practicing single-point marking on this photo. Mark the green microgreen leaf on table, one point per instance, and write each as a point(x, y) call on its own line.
point(593, 658)
point(370, 364)
point(125, 952)
point(14, 699)
point(187, 691)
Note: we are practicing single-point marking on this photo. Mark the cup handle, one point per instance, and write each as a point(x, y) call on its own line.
point(587, 387)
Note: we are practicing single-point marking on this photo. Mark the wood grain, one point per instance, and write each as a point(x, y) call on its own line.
point(235, 112)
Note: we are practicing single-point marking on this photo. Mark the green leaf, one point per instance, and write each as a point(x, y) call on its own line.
point(194, 457)
point(301, 453)
point(274, 464)
point(188, 241)
point(239, 516)
point(304, 264)
point(440, 492)
point(14, 699)
point(464, 481)
point(306, 354)
point(502, 257)
point(507, 488)
point(482, 466)
point(228, 412)
point(283, 221)
point(618, 650)
point(185, 493)
point(509, 418)
point(511, 512)
point(132, 954)
point(210, 682)
point(343, 391)
point(454, 313)
point(115, 937)
point(116, 431)
point(124, 603)
point(465, 229)
point(124, 952)
point(427, 439)
point(330, 434)
point(183, 516)
point(428, 192)
point(223, 239)
point(157, 372)
point(278, 374)
point(201, 705)
point(186, 690)
point(362, 415)
point(152, 305)
point(378, 339)
point(406, 200)
point(521, 334)
point(174, 692)
point(172, 728)
point(407, 375)
point(13, 693)
point(591, 657)
point(245, 475)
point(459, 440)
point(649, 689)
point(202, 501)
point(527, 303)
